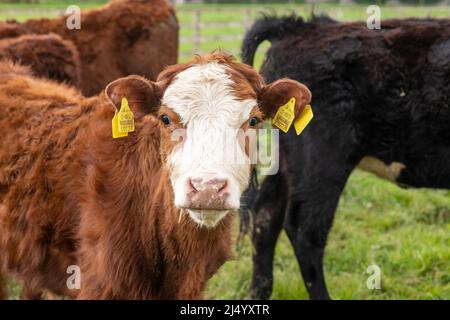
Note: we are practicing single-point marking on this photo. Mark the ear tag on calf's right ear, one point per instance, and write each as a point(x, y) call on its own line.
point(125, 117)
point(285, 115)
point(303, 119)
point(115, 127)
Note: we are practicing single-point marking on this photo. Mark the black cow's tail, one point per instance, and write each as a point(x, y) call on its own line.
point(246, 211)
point(268, 28)
point(271, 28)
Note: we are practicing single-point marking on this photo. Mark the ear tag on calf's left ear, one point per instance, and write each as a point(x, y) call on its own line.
point(303, 119)
point(285, 115)
point(125, 117)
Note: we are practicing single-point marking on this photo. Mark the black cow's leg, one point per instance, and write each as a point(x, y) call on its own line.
point(268, 221)
point(309, 218)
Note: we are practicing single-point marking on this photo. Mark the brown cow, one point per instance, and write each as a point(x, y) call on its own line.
point(147, 216)
point(49, 56)
point(123, 37)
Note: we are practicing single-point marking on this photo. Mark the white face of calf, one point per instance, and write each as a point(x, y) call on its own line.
point(206, 107)
point(209, 169)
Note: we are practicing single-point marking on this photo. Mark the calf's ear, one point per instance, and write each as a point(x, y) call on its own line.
point(143, 95)
point(278, 93)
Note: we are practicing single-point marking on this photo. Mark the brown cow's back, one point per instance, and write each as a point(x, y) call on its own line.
point(49, 56)
point(123, 37)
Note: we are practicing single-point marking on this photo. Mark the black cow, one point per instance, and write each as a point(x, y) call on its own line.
point(381, 100)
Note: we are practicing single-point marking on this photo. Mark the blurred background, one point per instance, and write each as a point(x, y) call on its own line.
point(406, 232)
point(209, 24)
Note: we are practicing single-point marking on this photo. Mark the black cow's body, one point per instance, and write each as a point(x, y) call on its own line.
point(378, 95)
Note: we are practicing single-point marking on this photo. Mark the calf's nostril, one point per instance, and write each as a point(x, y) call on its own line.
point(218, 185)
point(214, 185)
point(192, 185)
point(221, 186)
point(207, 193)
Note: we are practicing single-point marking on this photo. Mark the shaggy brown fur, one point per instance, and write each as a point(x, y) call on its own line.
point(49, 56)
point(72, 195)
point(123, 37)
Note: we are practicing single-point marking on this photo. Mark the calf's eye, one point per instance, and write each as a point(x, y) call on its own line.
point(165, 119)
point(253, 121)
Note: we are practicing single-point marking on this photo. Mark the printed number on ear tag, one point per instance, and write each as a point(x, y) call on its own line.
point(303, 119)
point(125, 117)
point(285, 115)
point(115, 127)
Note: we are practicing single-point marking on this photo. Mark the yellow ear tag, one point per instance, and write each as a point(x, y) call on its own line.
point(115, 127)
point(125, 117)
point(303, 119)
point(285, 115)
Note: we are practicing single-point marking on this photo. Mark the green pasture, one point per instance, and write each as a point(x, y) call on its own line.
point(406, 232)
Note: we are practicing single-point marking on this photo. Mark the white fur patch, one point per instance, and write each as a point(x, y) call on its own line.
point(202, 97)
point(378, 167)
point(207, 218)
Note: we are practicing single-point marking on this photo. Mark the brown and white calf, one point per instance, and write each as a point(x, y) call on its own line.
point(147, 216)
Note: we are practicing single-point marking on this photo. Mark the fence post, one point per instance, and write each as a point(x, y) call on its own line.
point(247, 19)
point(197, 32)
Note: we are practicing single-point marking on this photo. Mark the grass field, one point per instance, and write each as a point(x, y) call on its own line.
point(405, 232)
